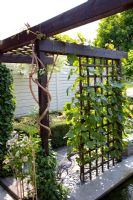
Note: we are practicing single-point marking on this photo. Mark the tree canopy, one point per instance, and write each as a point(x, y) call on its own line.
point(116, 29)
point(128, 66)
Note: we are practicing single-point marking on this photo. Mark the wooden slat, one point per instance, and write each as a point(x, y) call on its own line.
point(53, 46)
point(85, 13)
point(10, 58)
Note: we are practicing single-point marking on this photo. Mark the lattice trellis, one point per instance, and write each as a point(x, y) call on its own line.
point(99, 74)
point(100, 69)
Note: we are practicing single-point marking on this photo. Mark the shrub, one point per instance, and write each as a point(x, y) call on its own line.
point(7, 107)
point(48, 187)
point(59, 132)
point(58, 128)
point(24, 153)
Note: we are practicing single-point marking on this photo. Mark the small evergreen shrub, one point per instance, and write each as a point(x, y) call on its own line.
point(58, 133)
point(7, 107)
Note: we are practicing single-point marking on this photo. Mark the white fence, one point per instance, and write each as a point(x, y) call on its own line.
point(59, 83)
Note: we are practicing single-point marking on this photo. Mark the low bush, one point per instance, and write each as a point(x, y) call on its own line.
point(31, 166)
point(59, 132)
point(59, 128)
point(48, 187)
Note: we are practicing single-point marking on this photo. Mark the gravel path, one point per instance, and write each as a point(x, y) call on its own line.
point(71, 179)
point(4, 195)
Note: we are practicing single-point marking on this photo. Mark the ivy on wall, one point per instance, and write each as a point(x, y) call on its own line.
point(7, 107)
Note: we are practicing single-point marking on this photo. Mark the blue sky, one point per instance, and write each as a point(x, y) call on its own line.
point(15, 13)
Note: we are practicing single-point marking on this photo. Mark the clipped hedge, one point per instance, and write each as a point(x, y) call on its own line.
point(58, 128)
point(59, 132)
point(7, 107)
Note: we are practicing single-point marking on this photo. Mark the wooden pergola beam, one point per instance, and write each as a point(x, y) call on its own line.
point(57, 47)
point(87, 12)
point(27, 59)
point(9, 58)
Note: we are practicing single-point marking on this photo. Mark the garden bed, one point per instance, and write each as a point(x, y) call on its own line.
point(24, 155)
point(58, 126)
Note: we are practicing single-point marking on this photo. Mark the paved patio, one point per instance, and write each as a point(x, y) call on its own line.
point(106, 182)
point(4, 195)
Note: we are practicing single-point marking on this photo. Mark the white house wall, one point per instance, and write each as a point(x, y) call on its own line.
point(25, 103)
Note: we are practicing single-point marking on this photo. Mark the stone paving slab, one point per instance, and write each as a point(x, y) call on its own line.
point(10, 185)
point(4, 195)
point(106, 182)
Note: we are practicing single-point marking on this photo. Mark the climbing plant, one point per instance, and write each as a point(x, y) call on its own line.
point(7, 107)
point(98, 112)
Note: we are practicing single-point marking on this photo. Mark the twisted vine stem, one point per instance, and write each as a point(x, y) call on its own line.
point(35, 66)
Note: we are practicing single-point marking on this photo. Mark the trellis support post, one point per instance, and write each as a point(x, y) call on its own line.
point(43, 101)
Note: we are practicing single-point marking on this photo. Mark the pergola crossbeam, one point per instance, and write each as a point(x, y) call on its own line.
point(27, 59)
point(57, 47)
point(87, 12)
point(9, 58)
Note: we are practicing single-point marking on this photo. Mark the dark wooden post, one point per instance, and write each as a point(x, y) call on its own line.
point(43, 100)
point(81, 146)
point(119, 125)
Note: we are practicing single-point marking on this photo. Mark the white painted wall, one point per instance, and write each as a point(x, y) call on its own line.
point(58, 85)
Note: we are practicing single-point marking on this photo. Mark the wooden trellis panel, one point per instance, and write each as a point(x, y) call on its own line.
point(100, 72)
point(107, 65)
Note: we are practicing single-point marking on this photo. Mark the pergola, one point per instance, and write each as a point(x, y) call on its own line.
point(17, 48)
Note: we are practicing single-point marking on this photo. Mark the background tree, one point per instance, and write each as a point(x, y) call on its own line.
point(128, 66)
point(116, 29)
point(116, 32)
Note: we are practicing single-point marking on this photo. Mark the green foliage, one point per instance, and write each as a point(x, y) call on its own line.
point(128, 66)
point(7, 107)
point(26, 124)
point(24, 152)
point(65, 38)
point(20, 157)
point(117, 29)
point(92, 108)
point(80, 39)
point(116, 32)
point(57, 123)
point(20, 147)
point(59, 132)
point(47, 185)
